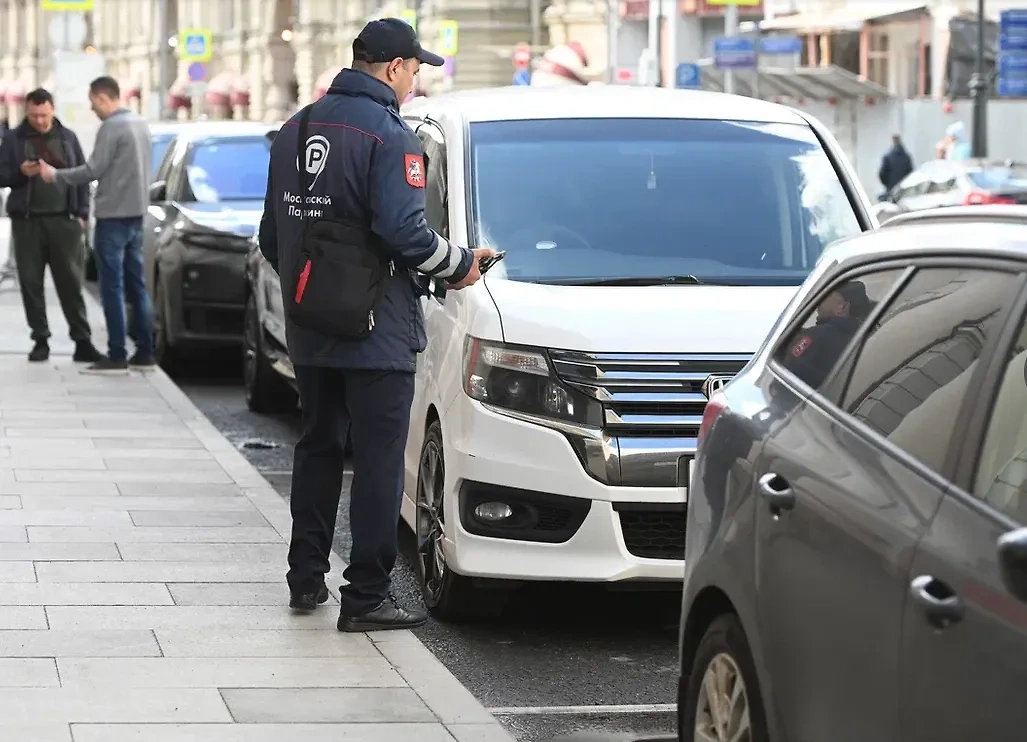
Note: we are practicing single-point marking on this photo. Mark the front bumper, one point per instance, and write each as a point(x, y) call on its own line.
point(585, 530)
point(206, 291)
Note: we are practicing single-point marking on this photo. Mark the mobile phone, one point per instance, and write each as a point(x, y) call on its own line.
point(484, 265)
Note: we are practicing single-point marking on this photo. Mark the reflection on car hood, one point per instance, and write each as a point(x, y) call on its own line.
point(235, 217)
point(645, 319)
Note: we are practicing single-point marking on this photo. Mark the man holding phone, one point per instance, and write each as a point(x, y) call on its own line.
point(47, 223)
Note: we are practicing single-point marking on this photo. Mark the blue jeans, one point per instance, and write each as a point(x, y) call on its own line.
point(119, 258)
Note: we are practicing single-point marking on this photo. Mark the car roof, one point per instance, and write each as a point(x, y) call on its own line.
point(604, 101)
point(1016, 214)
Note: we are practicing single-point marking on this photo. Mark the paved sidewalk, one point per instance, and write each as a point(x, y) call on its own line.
point(142, 591)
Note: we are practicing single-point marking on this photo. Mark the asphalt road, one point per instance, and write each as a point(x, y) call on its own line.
point(578, 648)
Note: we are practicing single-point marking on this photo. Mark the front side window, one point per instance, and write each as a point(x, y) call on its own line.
point(159, 147)
point(1001, 478)
point(814, 349)
point(912, 373)
point(229, 169)
point(581, 201)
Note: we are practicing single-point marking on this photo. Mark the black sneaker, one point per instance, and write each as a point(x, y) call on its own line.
point(307, 602)
point(142, 362)
point(388, 615)
point(40, 352)
point(86, 352)
point(106, 366)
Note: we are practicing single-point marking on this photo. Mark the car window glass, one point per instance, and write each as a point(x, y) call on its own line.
point(163, 163)
point(177, 186)
point(436, 208)
point(230, 169)
point(160, 143)
point(910, 376)
point(1001, 478)
point(812, 350)
point(730, 202)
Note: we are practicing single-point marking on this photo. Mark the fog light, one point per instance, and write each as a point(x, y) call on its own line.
point(493, 512)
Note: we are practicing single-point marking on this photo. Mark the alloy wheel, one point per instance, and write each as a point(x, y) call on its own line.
point(430, 521)
point(722, 711)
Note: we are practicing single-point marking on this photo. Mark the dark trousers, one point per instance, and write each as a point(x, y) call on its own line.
point(119, 258)
point(373, 409)
point(55, 241)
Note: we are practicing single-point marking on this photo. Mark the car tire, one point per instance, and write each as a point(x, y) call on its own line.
point(164, 352)
point(723, 648)
point(447, 595)
point(266, 391)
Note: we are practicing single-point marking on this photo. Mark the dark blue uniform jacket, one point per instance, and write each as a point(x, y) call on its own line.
point(364, 165)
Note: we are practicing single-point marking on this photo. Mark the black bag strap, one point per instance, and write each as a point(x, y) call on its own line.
point(301, 158)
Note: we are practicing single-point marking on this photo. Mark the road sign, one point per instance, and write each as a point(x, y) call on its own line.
point(447, 38)
point(197, 72)
point(734, 53)
point(688, 75)
point(195, 45)
point(774, 45)
point(740, 3)
point(522, 56)
point(522, 77)
point(76, 6)
point(409, 17)
point(1012, 54)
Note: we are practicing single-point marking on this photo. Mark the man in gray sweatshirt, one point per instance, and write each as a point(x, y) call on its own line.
point(120, 163)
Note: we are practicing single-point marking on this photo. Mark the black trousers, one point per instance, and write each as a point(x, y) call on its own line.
point(373, 409)
point(55, 241)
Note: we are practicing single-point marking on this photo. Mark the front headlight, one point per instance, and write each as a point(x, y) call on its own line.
point(520, 380)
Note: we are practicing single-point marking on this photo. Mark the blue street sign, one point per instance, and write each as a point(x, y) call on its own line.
point(1010, 19)
point(688, 75)
point(1012, 65)
point(780, 45)
point(1012, 57)
point(522, 77)
point(197, 72)
point(734, 53)
point(1012, 88)
point(1013, 42)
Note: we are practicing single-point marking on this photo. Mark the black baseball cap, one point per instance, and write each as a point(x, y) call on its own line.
point(391, 38)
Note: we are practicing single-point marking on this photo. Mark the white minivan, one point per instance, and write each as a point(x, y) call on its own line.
point(652, 238)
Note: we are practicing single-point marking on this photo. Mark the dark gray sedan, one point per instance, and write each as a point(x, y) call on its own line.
point(856, 555)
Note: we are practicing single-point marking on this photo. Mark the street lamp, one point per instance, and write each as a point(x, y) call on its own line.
point(979, 91)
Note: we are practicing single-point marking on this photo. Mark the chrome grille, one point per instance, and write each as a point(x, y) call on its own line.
point(652, 404)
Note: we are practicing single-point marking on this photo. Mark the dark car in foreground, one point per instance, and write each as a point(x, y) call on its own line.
point(205, 205)
point(943, 183)
point(856, 552)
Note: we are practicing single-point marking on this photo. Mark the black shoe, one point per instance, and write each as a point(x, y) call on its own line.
point(142, 362)
point(40, 352)
point(86, 352)
point(388, 615)
point(306, 602)
point(106, 366)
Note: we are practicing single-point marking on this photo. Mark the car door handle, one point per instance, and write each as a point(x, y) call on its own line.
point(777, 492)
point(939, 602)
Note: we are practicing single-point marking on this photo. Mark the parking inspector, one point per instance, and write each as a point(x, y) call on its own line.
point(344, 227)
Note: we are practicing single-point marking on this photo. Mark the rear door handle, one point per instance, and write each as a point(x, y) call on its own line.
point(939, 602)
point(777, 492)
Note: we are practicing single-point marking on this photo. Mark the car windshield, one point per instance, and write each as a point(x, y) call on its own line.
point(160, 144)
point(229, 169)
point(996, 178)
point(592, 200)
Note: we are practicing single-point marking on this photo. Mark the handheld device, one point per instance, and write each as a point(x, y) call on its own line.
point(487, 263)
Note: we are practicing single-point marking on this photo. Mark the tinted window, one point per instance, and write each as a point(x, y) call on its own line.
point(229, 169)
point(586, 199)
point(913, 370)
point(160, 147)
point(812, 351)
point(997, 178)
point(1001, 478)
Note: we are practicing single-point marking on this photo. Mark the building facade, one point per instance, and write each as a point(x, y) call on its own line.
point(268, 55)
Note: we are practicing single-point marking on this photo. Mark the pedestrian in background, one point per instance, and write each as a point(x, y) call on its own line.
point(47, 223)
point(363, 178)
point(120, 163)
point(895, 165)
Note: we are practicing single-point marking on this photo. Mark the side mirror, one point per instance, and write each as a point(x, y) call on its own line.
point(158, 192)
point(1012, 562)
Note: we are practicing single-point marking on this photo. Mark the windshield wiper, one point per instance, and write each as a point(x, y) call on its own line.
point(682, 280)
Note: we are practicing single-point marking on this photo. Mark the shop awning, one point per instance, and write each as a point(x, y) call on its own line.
point(808, 83)
point(844, 19)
